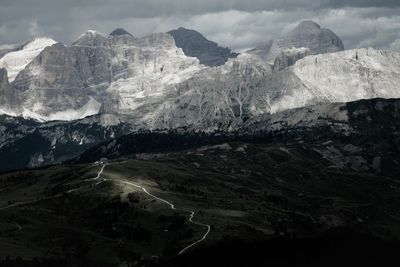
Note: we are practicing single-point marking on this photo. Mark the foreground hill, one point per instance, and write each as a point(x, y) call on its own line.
point(307, 189)
point(27, 143)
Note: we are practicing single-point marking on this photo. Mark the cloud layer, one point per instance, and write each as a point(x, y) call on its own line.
point(234, 23)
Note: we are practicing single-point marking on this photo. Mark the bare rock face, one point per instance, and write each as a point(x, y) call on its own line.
point(153, 82)
point(91, 38)
point(289, 57)
point(17, 59)
point(307, 34)
point(3, 78)
point(9, 98)
point(59, 78)
point(116, 72)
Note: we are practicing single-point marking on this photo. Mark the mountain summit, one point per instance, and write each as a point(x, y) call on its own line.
point(120, 31)
point(194, 44)
point(307, 25)
point(17, 60)
point(307, 34)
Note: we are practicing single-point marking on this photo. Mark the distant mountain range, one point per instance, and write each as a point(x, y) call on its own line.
point(194, 44)
point(176, 80)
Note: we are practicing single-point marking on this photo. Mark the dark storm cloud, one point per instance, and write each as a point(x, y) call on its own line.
point(360, 3)
point(235, 23)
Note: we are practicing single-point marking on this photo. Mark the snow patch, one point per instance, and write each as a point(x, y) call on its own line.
point(92, 107)
point(8, 113)
point(16, 61)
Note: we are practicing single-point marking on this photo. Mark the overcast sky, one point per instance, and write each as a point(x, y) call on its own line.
point(239, 24)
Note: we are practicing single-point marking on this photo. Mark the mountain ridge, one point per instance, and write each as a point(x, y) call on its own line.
point(153, 80)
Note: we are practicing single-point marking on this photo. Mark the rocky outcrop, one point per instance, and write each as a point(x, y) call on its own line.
point(114, 71)
point(91, 38)
point(9, 98)
point(289, 57)
point(4, 78)
point(195, 44)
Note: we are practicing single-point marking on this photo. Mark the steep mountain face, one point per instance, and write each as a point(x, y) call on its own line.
point(8, 96)
point(195, 44)
point(218, 97)
point(117, 72)
point(289, 57)
point(160, 87)
point(246, 87)
point(16, 61)
point(351, 75)
point(307, 34)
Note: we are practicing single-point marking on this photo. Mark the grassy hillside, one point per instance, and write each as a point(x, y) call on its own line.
point(252, 193)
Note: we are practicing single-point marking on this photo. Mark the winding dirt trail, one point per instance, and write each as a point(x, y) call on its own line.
point(172, 206)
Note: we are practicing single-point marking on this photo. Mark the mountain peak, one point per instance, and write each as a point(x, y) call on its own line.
point(3, 75)
point(182, 29)
point(120, 31)
point(90, 38)
point(39, 43)
point(15, 61)
point(194, 44)
point(306, 34)
point(93, 32)
point(307, 26)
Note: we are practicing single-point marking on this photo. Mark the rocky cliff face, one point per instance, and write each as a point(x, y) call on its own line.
point(153, 81)
point(114, 71)
point(8, 97)
point(196, 45)
point(247, 86)
point(351, 75)
point(289, 57)
point(4, 78)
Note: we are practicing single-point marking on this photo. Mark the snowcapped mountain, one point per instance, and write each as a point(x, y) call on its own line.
point(16, 61)
point(117, 71)
point(159, 86)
